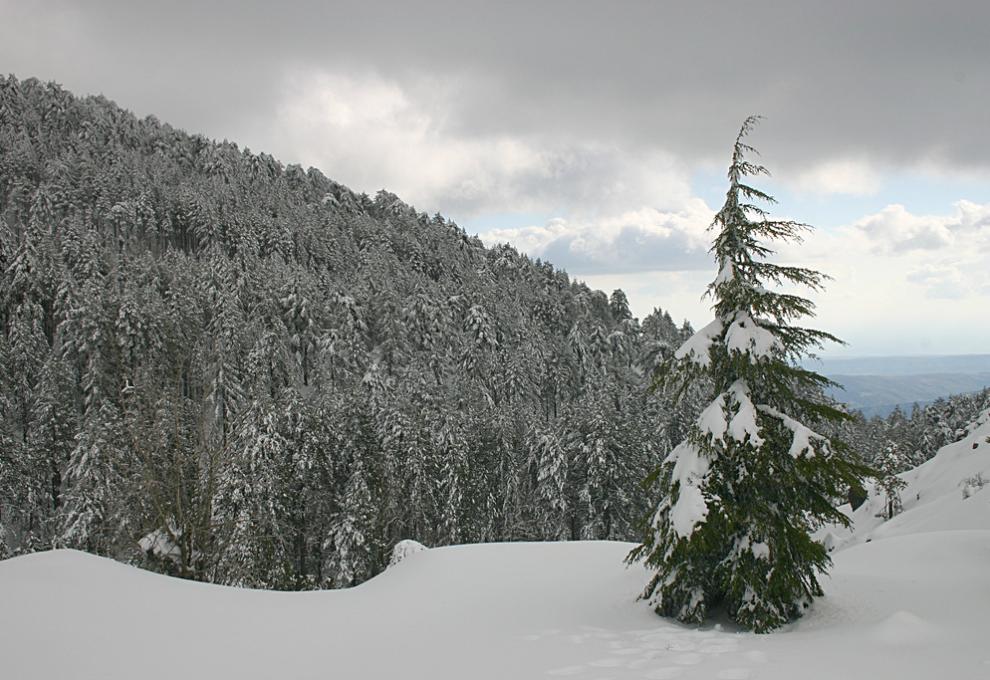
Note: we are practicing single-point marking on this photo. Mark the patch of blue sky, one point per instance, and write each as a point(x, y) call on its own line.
point(920, 193)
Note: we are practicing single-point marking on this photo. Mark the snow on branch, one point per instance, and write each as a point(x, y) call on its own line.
point(743, 423)
point(690, 470)
point(759, 549)
point(805, 440)
point(715, 425)
point(712, 422)
point(745, 335)
point(695, 348)
point(726, 273)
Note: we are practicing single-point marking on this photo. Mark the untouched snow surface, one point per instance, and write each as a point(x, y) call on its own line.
point(913, 602)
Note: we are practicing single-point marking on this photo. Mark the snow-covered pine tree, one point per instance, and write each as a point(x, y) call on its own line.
point(548, 459)
point(350, 546)
point(888, 463)
point(95, 517)
point(742, 493)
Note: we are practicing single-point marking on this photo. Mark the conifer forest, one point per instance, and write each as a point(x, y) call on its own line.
point(279, 379)
point(230, 370)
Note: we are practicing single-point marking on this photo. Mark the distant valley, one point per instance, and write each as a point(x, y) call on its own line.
point(877, 385)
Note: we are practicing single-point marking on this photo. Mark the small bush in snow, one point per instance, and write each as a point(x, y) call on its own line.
point(403, 549)
point(973, 484)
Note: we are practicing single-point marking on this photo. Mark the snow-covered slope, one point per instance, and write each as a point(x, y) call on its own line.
point(942, 494)
point(913, 602)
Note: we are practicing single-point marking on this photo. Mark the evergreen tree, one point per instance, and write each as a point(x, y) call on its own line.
point(549, 460)
point(96, 517)
point(450, 444)
point(250, 504)
point(351, 542)
point(742, 493)
point(888, 463)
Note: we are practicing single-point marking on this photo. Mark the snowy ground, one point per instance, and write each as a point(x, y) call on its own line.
point(913, 602)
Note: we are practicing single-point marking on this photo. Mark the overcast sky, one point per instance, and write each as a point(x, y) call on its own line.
point(596, 135)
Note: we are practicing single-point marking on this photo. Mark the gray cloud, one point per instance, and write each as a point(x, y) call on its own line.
point(591, 114)
point(632, 250)
point(898, 80)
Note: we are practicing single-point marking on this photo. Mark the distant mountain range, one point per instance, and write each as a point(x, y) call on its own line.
point(877, 385)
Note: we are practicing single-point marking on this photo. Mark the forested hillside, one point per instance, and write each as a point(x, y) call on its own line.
point(268, 380)
point(902, 440)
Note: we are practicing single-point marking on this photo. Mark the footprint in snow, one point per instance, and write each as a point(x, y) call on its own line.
point(566, 671)
point(680, 645)
point(626, 651)
point(735, 674)
point(639, 663)
point(756, 656)
point(608, 663)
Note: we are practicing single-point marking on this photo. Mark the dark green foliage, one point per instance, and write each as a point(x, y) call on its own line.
point(742, 493)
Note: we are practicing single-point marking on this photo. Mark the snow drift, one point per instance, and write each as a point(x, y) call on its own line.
point(913, 601)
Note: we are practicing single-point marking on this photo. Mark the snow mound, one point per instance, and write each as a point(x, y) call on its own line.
point(904, 628)
point(405, 549)
point(910, 607)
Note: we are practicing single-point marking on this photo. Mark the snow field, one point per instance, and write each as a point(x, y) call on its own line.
point(912, 602)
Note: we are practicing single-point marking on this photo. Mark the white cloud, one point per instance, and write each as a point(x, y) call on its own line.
point(901, 283)
point(843, 176)
point(371, 133)
point(894, 229)
point(681, 293)
point(904, 283)
point(944, 280)
point(643, 239)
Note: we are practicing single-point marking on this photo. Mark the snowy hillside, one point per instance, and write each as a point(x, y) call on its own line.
point(912, 602)
point(942, 494)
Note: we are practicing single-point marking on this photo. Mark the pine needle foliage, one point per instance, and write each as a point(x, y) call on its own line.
point(742, 494)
